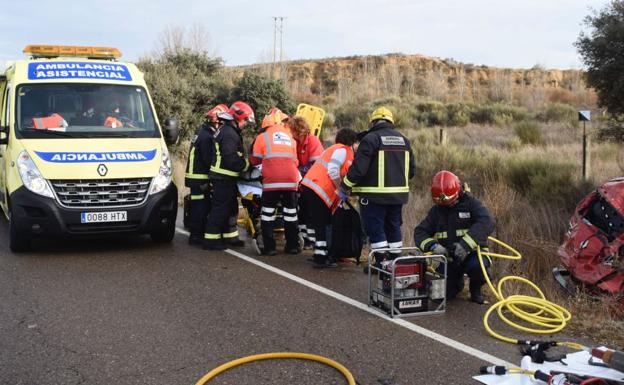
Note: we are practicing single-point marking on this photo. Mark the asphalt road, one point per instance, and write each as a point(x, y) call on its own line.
point(127, 311)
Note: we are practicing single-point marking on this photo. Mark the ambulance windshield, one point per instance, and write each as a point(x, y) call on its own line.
point(84, 111)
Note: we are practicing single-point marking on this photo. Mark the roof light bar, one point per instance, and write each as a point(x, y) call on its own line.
point(72, 51)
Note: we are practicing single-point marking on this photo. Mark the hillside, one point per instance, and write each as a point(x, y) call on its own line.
point(368, 77)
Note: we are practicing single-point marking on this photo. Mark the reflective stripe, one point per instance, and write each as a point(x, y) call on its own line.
point(279, 155)
point(267, 143)
point(290, 219)
point(231, 235)
point(318, 190)
point(461, 232)
point(196, 176)
point(217, 167)
point(381, 169)
point(197, 197)
point(425, 243)
point(347, 182)
point(314, 158)
point(440, 235)
point(471, 242)
point(256, 155)
point(320, 243)
point(322, 161)
point(268, 210)
point(379, 245)
point(395, 245)
point(280, 185)
point(311, 239)
point(267, 218)
point(381, 190)
point(290, 211)
point(212, 236)
point(320, 252)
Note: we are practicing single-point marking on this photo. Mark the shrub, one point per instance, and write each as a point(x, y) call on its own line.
point(498, 114)
point(458, 114)
point(262, 93)
point(432, 114)
point(528, 132)
point(352, 115)
point(557, 112)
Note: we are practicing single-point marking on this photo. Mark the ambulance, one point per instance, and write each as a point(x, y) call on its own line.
point(82, 152)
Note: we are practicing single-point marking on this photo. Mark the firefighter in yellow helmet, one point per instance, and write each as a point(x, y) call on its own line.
point(380, 175)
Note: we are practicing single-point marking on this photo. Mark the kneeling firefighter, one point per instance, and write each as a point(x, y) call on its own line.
point(228, 162)
point(197, 170)
point(320, 192)
point(454, 227)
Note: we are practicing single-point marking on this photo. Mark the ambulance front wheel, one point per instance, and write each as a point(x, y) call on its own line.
point(17, 242)
point(164, 234)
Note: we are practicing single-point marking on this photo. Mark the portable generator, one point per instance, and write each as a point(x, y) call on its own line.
point(409, 284)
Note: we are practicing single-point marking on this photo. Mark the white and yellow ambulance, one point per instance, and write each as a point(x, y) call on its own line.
point(81, 148)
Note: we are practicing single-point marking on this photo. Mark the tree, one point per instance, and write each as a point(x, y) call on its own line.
point(602, 51)
point(262, 93)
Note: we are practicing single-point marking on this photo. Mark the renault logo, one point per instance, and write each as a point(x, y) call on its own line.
point(102, 170)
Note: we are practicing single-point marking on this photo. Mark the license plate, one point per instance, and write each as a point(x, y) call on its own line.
point(104, 216)
point(410, 304)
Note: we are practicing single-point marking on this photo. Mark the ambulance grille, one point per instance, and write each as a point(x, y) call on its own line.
point(82, 193)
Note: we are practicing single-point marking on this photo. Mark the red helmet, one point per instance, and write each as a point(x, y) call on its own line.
point(445, 188)
point(242, 112)
point(212, 113)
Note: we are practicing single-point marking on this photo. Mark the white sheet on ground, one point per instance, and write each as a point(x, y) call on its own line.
point(576, 363)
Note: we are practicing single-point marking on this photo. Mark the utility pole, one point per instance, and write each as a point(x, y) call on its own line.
point(278, 26)
point(585, 116)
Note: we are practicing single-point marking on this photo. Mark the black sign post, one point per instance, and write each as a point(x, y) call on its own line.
point(585, 116)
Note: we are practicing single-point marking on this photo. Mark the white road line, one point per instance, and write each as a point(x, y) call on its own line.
point(364, 307)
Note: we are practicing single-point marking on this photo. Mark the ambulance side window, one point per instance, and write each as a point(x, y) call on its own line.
point(7, 107)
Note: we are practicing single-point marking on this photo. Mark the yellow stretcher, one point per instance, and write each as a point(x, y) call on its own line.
point(313, 116)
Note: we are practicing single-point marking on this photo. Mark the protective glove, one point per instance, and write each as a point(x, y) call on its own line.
point(459, 252)
point(342, 194)
point(438, 249)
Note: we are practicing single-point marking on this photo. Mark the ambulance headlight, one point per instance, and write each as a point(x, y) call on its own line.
point(31, 177)
point(163, 179)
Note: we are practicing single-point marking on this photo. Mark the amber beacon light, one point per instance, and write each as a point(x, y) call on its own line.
point(72, 51)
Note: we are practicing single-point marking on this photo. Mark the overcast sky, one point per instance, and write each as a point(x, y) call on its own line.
point(508, 33)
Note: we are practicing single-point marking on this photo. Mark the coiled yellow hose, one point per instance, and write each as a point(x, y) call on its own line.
point(282, 355)
point(548, 317)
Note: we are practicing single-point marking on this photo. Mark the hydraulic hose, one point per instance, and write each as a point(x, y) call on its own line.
point(545, 316)
point(281, 355)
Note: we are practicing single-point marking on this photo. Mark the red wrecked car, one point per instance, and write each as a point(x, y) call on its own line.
point(592, 252)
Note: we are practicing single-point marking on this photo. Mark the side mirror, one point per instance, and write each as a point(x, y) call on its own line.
point(4, 135)
point(172, 132)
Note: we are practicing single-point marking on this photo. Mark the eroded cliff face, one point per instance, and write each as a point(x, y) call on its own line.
point(396, 74)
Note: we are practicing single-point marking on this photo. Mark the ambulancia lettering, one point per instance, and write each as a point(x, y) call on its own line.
point(87, 157)
point(77, 70)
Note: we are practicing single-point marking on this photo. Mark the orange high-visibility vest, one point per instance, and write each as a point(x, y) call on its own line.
point(318, 180)
point(276, 149)
point(113, 122)
point(53, 121)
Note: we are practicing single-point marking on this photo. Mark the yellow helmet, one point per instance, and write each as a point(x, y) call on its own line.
point(382, 113)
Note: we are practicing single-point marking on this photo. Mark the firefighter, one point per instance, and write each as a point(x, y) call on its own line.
point(228, 162)
point(309, 149)
point(319, 192)
point(454, 227)
point(380, 175)
point(276, 150)
point(196, 177)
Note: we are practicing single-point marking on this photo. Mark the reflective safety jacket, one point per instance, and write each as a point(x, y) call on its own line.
point(467, 222)
point(276, 149)
point(382, 167)
point(320, 179)
point(200, 156)
point(53, 121)
point(228, 155)
point(308, 151)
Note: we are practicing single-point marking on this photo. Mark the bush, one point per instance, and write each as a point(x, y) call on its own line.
point(431, 114)
point(528, 132)
point(499, 114)
point(351, 115)
point(262, 93)
point(458, 114)
point(557, 112)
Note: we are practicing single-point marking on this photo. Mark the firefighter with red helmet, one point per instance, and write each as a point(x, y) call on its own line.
point(276, 150)
point(454, 227)
point(228, 161)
